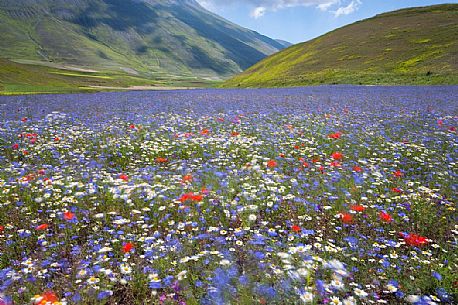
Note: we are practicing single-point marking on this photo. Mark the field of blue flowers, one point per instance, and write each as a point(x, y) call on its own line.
point(329, 195)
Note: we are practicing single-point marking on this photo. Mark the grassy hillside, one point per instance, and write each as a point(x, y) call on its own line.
point(16, 78)
point(147, 39)
point(410, 46)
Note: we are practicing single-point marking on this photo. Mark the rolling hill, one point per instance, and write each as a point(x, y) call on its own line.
point(151, 39)
point(409, 46)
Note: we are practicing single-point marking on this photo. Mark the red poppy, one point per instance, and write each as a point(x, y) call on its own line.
point(296, 228)
point(132, 126)
point(452, 129)
point(24, 120)
point(282, 155)
point(396, 190)
point(15, 146)
point(2, 228)
point(191, 196)
point(235, 134)
point(336, 135)
point(316, 159)
point(337, 155)
point(41, 172)
point(186, 178)
point(124, 177)
point(271, 163)
point(220, 119)
point(398, 173)
point(385, 217)
point(69, 215)
point(42, 227)
point(205, 132)
point(127, 247)
point(415, 240)
point(357, 208)
point(347, 218)
point(49, 297)
point(322, 169)
point(161, 160)
point(335, 164)
point(357, 169)
point(25, 152)
point(56, 139)
point(440, 122)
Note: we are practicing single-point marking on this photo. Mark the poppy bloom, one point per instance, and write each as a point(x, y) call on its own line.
point(335, 164)
point(2, 228)
point(316, 159)
point(24, 120)
point(296, 228)
point(69, 215)
point(48, 297)
point(398, 173)
point(132, 126)
point(124, 177)
point(347, 218)
point(357, 208)
point(415, 240)
point(186, 178)
point(337, 155)
point(452, 129)
point(385, 217)
point(15, 146)
point(440, 122)
point(271, 163)
point(357, 169)
point(161, 160)
point(205, 132)
point(396, 190)
point(191, 196)
point(127, 247)
point(56, 139)
point(235, 134)
point(42, 227)
point(41, 172)
point(336, 135)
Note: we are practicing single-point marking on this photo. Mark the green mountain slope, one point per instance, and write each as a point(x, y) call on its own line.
point(147, 38)
point(410, 46)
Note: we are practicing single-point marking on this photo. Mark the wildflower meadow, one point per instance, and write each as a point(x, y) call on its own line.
point(333, 195)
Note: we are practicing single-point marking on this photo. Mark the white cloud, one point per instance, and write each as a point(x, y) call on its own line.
point(260, 7)
point(346, 10)
point(258, 12)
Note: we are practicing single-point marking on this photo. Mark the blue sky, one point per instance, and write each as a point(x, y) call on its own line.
point(301, 20)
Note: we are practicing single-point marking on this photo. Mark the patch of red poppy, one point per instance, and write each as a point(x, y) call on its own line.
point(398, 173)
point(271, 163)
point(296, 228)
point(396, 190)
point(15, 146)
point(127, 247)
point(336, 135)
point(346, 218)
point(385, 217)
point(415, 240)
point(124, 177)
point(42, 227)
point(69, 215)
point(357, 169)
point(205, 132)
point(357, 208)
point(235, 134)
point(337, 155)
point(161, 160)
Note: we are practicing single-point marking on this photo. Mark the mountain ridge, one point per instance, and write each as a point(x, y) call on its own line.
point(151, 37)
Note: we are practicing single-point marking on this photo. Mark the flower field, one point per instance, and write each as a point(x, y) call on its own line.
point(328, 195)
